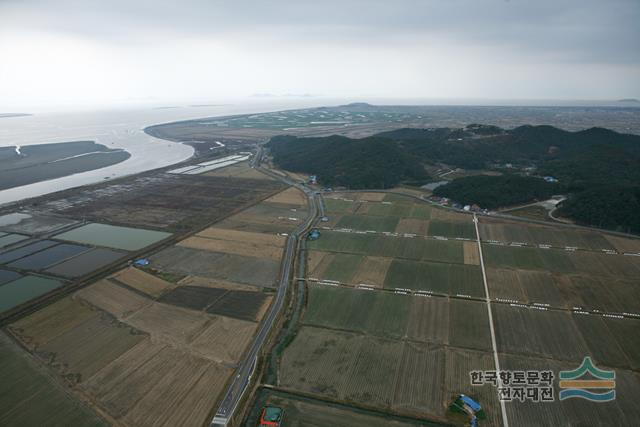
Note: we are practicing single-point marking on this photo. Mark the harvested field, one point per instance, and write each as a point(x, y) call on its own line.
point(144, 282)
point(453, 229)
point(112, 298)
point(624, 245)
point(243, 248)
point(176, 326)
point(394, 247)
point(341, 365)
point(429, 320)
point(214, 265)
point(412, 226)
point(372, 271)
point(168, 201)
point(449, 215)
point(469, 325)
point(337, 206)
point(622, 411)
point(459, 363)
point(340, 267)
point(315, 259)
point(551, 334)
point(86, 262)
point(603, 346)
point(376, 373)
point(132, 387)
point(243, 236)
point(377, 313)
point(224, 339)
point(193, 297)
point(436, 277)
point(301, 412)
point(387, 210)
point(290, 196)
point(418, 386)
point(527, 258)
point(216, 283)
point(31, 397)
point(505, 284)
point(507, 231)
point(367, 222)
point(84, 349)
point(168, 403)
point(471, 253)
point(625, 332)
point(44, 325)
point(246, 305)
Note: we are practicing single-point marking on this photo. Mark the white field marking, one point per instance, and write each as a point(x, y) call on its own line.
point(386, 203)
point(312, 279)
point(632, 254)
point(505, 421)
point(400, 292)
point(613, 316)
point(328, 284)
point(507, 300)
point(544, 246)
point(440, 238)
point(631, 314)
point(539, 304)
point(331, 281)
point(371, 231)
point(581, 312)
point(292, 219)
point(519, 305)
point(402, 289)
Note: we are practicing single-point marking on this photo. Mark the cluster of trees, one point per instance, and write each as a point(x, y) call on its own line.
point(495, 191)
point(598, 168)
point(352, 163)
point(615, 207)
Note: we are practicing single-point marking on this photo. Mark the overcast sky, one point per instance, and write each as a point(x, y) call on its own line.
point(101, 52)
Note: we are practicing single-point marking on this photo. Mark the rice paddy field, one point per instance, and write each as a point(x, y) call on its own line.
point(395, 317)
point(300, 411)
point(153, 346)
point(142, 350)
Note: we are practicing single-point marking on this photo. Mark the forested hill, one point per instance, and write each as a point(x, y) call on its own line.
point(588, 164)
point(354, 163)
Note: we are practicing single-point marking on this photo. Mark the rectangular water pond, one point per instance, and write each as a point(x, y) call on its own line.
point(7, 276)
point(86, 263)
point(49, 257)
point(10, 239)
point(22, 290)
point(23, 251)
point(111, 236)
point(20, 222)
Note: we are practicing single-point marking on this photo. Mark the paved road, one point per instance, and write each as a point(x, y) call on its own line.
point(245, 370)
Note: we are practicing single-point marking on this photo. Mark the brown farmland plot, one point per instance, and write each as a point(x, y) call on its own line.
point(372, 271)
point(144, 282)
point(46, 324)
point(86, 348)
point(112, 298)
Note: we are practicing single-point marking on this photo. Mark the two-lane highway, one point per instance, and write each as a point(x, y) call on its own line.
point(246, 369)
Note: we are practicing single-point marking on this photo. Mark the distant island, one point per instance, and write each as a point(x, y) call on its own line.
point(6, 115)
point(629, 101)
point(597, 168)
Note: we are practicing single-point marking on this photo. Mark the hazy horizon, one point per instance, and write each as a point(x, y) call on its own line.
point(86, 53)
